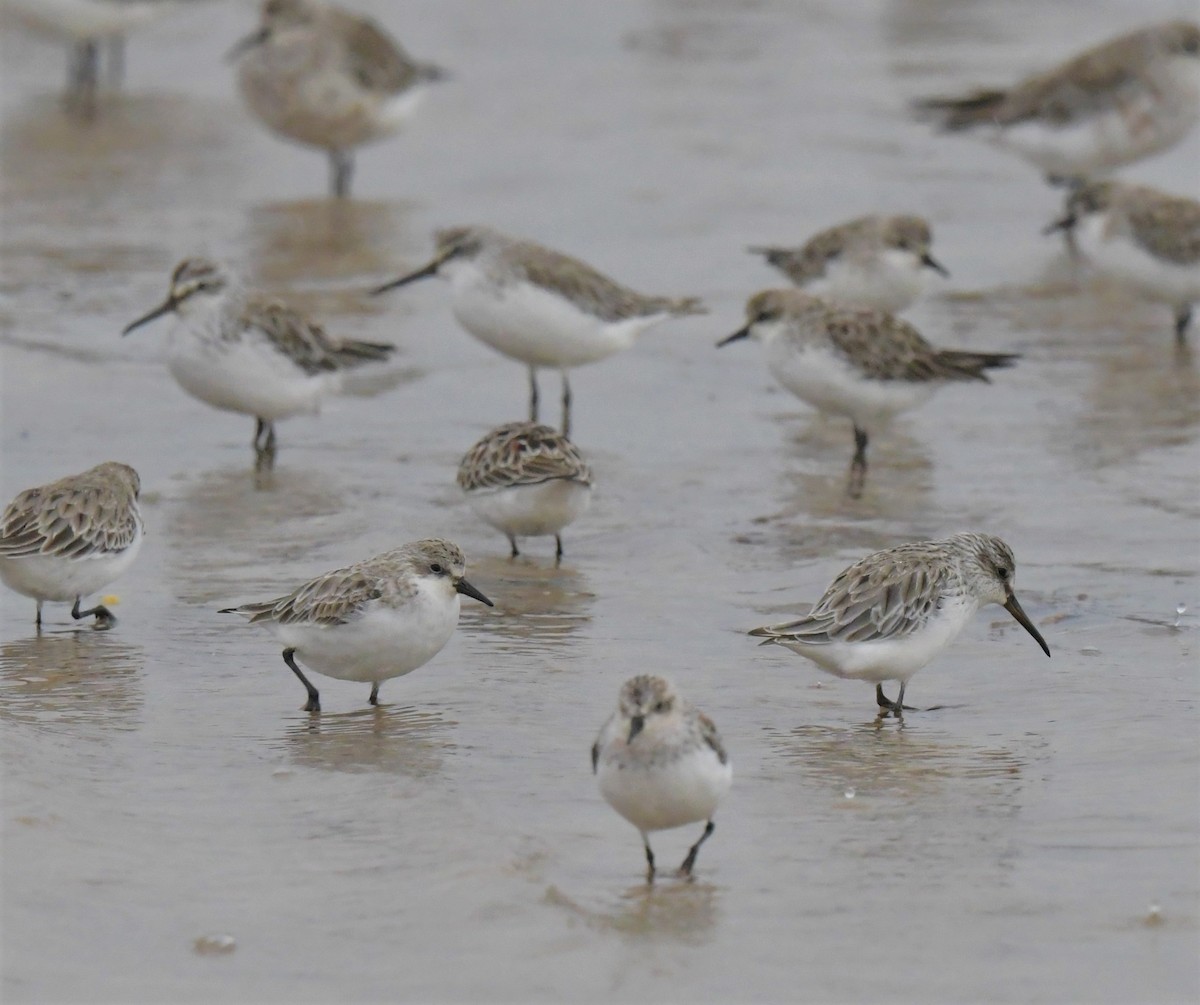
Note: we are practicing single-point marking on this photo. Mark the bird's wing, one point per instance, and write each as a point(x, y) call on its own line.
point(869, 602)
point(65, 522)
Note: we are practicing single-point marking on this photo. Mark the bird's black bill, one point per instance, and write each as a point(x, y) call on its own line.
point(462, 586)
point(249, 42)
point(739, 334)
point(1022, 618)
point(1066, 223)
point(635, 727)
point(932, 263)
point(422, 273)
point(165, 307)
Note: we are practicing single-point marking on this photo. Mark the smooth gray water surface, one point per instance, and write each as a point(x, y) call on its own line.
point(1034, 840)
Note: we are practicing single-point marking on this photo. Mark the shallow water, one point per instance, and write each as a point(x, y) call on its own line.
point(163, 794)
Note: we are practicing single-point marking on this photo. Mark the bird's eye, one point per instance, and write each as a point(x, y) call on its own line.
point(903, 245)
point(435, 568)
point(1002, 572)
point(661, 707)
point(762, 316)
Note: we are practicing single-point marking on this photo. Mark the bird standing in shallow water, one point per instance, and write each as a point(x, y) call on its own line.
point(70, 538)
point(369, 622)
point(1125, 99)
point(526, 480)
point(660, 763)
point(1140, 236)
point(328, 78)
point(865, 364)
point(889, 614)
point(538, 306)
point(240, 352)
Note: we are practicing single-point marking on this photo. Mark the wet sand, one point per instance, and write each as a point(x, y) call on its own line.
point(1034, 840)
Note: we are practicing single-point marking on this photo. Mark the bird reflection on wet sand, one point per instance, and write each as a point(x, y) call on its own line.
point(389, 738)
point(60, 679)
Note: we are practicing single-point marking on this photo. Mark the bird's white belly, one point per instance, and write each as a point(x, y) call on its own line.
point(246, 376)
point(297, 93)
point(1137, 127)
point(531, 510)
point(48, 577)
point(537, 327)
point(86, 19)
point(830, 384)
point(666, 794)
point(890, 282)
point(891, 659)
point(385, 642)
point(1120, 258)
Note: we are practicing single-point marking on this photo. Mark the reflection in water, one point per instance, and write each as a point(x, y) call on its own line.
point(222, 522)
point(897, 762)
point(678, 911)
point(53, 166)
point(392, 739)
point(328, 239)
point(1144, 393)
point(816, 516)
point(71, 677)
point(538, 606)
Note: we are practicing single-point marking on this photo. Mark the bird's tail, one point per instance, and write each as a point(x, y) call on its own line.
point(968, 365)
point(956, 114)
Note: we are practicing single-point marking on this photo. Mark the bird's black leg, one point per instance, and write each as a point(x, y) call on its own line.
point(374, 699)
point(558, 549)
point(690, 861)
point(314, 698)
point(533, 394)
point(649, 859)
point(512, 541)
point(858, 466)
point(38, 620)
point(85, 71)
point(104, 617)
point(264, 445)
point(566, 405)
point(341, 164)
point(895, 707)
point(1183, 318)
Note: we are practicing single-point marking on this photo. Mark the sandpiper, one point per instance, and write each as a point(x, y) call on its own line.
point(889, 614)
point(239, 351)
point(872, 261)
point(325, 77)
point(526, 480)
point(1139, 236)
point(865, 364)
point(1125, 99)
point(539, 306)
point(660, 763)
point(71, 538)
point(370, 622)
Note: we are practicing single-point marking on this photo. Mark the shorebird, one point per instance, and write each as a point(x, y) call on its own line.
point(539, 306)
point(526, 480)
point(1125, 99)
point(865, 364)
point(325, 77)
point(660, 763)
point(373, 621)
point(871, 261)
point(241, 352)
point(71, 538)
point(891, 613)
point(1140, 236)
